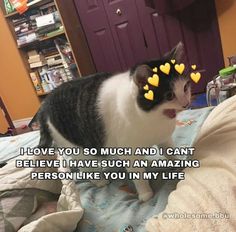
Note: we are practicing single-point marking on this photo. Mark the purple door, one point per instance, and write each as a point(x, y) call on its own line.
point(97, 29)
point(113, 32)
point(121, 33)
point(198, 31)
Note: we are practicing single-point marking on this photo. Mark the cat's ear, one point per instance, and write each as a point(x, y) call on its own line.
point(177, 53)
point(141, 74)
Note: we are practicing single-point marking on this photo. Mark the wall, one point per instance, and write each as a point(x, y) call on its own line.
point(3, 123)
point(16, 89)
point(226, 11)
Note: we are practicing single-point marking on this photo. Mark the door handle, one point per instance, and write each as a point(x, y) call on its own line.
point(118, 12)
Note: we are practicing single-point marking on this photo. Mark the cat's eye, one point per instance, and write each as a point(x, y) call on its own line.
point(186, 87)
point(169, 96)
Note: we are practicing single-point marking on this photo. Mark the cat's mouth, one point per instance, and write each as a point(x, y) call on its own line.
point(170, 113)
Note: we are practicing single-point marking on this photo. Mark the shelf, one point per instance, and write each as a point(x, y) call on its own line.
point(42, 39)
point(33, 4)
point(43, 94)
point(55, 35)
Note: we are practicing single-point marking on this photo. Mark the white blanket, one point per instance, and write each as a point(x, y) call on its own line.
point(68, 206)
point(206, 199)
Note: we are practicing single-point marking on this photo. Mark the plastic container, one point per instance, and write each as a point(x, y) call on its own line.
point(222, 86)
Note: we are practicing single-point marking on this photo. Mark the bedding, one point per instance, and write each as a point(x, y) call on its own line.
point(115, 207)
point(102, 206)
point(206, 199)
point(9, 146)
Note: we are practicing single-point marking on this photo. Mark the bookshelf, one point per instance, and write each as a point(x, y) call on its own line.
point(51, 43)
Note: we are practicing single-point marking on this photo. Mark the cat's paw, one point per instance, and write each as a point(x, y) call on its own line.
point(101, 183)
point(145, 196)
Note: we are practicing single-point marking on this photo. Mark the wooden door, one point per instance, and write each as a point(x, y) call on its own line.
point(100, 40)
point(121, 33)
point(113, 32)
point(127, 31)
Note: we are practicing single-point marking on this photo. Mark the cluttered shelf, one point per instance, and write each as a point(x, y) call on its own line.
point(51, 36)
point(49, 51)
point(37, 25)
point(41, 37)
point(39, 91)
point(51, 66)
point(31, 5)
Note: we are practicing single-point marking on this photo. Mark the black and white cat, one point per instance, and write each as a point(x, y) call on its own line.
point(105, 110)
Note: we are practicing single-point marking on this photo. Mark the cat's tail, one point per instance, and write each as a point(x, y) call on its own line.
point(45, 136)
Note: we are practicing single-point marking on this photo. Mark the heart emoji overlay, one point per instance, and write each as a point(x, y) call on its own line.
point(146, 87)
point(173, 61)
point(195, 77)
point(155, 70)
point(194, 66)
point(149, 95)
point(154, 80)
point(180, 68)
point(165, 68)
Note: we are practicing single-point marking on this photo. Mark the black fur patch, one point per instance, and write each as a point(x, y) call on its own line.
point(166, 83)
point(71, 109)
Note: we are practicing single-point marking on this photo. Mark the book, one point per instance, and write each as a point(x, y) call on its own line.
point(49, 51)
point(36, 58)
point(49, 28)
point(59, 66)
point(26, 39)
point(52, 62)
point(53, 56)
point(35, 78)
point(19, 21)
point(26, 33)
point(45, 20)
point(53, 33)
point(32, 53)
point(38, 64)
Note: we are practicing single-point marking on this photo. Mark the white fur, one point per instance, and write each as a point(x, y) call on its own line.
point(126, 124)
point(129, 126)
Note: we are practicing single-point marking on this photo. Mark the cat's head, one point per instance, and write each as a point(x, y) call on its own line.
point(173, 93)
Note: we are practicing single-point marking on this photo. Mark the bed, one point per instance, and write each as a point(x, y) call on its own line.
point(82, 207)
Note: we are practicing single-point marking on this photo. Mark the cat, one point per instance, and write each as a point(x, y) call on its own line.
point(105, 110)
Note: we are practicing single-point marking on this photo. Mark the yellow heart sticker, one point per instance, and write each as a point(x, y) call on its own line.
point(146, 87)
point(155, 70)
point(173, 61)
point(154, 80)
point(180, 68)
point(165, 68)
point(149, 95)
point(195, 77)
point(194, 66)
